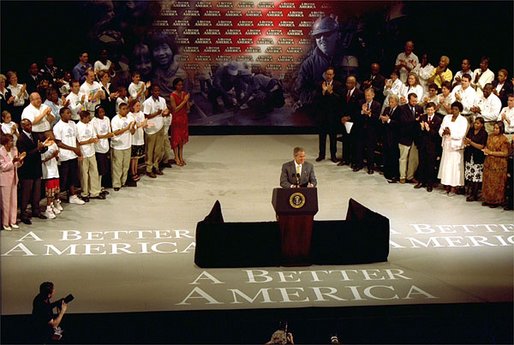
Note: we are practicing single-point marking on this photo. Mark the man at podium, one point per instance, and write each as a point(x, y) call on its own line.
point(298, 172)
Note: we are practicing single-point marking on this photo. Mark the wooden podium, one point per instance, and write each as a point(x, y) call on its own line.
point(295, 209)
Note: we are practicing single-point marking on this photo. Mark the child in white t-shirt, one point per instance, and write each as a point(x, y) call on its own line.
point(50, 170)
point(102, 126)
point(138, 138)
point(9, 127)
point(122, 97)
point(138, 89)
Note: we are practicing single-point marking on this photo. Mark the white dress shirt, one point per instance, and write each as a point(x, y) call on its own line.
point(468, 98)
point(489, 107)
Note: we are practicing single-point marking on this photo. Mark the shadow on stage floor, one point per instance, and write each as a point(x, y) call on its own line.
point(425, 324)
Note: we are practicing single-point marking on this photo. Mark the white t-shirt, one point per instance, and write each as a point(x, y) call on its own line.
point(102, 127)
point(66, 132)
point(30, 112)
point(90, 90)
point(99, 66)
point(75, 105)
point(86, 131)
point(123, 141)
point(151, 106)
point(7, 129)
point(133, 89)
point(139, 136)
point(50, 168)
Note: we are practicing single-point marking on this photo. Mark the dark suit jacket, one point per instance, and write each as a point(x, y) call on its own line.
point(369, 121)
point(31, 168)
point(377, 84)
point(504, 92)
point(288, 175)
point(3, 101)
point(430, 141)
point(32, 84)
point(351, 107)
point(329, 107)
point(389, 130)
point(406, 125)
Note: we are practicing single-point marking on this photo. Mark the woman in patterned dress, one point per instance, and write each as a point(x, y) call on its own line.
point(495, 167)
point(474, 157)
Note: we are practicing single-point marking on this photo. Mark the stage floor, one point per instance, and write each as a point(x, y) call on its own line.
point(134, 251)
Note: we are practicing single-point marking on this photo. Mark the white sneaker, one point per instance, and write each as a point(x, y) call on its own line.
point(55, 210)
point(15, 226)
point(7, 227)
point(48, 213)
point(57, 205)
point(75, 200)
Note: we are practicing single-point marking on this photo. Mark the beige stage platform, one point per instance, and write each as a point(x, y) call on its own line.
point(134, 251)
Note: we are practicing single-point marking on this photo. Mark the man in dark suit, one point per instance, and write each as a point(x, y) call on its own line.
point(407, 134)
point(376, 81)
point(30, 172)
point(33, 78)
point(365, 131)
point(429, 144)
point(298, 172)
point(350, 113)
point(390, 151)
point(328, 114)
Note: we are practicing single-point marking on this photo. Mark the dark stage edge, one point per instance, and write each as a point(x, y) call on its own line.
point(250, 130)
point(483, 323)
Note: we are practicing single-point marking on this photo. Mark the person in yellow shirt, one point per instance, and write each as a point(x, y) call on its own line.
point(442, 72)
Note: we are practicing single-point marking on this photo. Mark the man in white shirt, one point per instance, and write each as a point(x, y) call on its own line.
point(483, 75)
point(89, 179)
point(154, 108)
point(488, 106)
point(466, 95)
point(507, 116)
point(465, 68)
point(75, 100)
point(93, 91)
point(65, 133)
point(121, 143)
point(406, 61)
point(40, 115)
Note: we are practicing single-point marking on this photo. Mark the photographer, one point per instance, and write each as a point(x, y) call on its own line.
point(46, 324)
point(280, 337)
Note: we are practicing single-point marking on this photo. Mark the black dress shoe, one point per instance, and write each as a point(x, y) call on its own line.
point(104, 192)
point(370, 171)
point(149, 174)
point(391, 181)
point(334, 159)
point(341, 163)
point(40, 216)
point(320, 158)
point(413, 180)
point(418, 185)
point(26, 221)
point(99, 196)
point(116, 189)
point(158, 172)
point(356, 168)
point(430, 188)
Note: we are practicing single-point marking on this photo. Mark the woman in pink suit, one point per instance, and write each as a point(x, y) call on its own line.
point(9, 163)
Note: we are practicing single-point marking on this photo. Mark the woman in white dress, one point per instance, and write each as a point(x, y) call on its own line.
point(453, 130)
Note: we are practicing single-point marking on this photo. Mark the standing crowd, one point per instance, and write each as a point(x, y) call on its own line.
point(423, 125)
point(73, 134)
